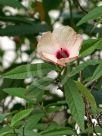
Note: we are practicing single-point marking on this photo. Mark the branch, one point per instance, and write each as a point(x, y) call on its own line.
point(81, 7)
point(71, 14)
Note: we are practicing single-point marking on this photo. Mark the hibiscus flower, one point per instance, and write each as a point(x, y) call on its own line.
point(61, 46)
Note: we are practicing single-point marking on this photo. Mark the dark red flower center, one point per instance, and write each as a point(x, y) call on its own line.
point(62, 53)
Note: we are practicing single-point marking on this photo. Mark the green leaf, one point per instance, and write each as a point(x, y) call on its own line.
point(59, 132)
point(19, 92)
point(85, 92)
point(93, 14)
point(36, 90)
point(98, 129)
point(29, 70)
point(75, 102)
point(9, 134)
point(33, 120)
point(41, 126)
point(53, 109)
point(23, 29)
point(19, 116)
point(82, 66)
point(31, 133)
point(41, 84)
point(35, 95)
point(12, 3)
point(99, 84)
point(56, 130)
point(92, 48)
point(27, 132)
point(16, 19)
point(52, 126)
point(5, 131)
point(98, 73)
point(3, 116)
point(87, 43)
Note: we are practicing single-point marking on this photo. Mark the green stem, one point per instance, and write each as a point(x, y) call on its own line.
point(71, 14)
point(15, 132)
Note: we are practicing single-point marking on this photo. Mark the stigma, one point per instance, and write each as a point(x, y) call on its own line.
point(62, 53)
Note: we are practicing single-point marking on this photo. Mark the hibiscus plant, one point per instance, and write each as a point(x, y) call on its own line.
point(51, 68)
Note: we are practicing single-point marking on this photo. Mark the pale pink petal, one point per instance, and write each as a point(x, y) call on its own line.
point(45, 44)
point(52, 58)
point(64, 37)
point(66, 60)
point(74, 51)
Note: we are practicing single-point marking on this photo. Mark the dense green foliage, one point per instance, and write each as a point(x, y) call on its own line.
point(44, 112)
